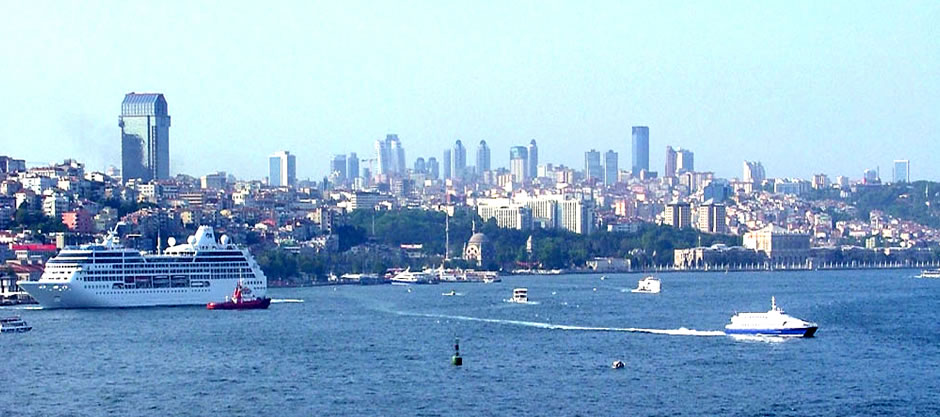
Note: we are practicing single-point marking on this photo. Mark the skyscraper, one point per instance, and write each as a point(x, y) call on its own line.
point(446, 163)
point(282, 169)
point(434, 170)
point(753, 172)
point(390, 155)
point(533, 164)
point(685, 161)
point(592, 165)
point(352, 166)
point(610, 167)
point(145, 137)
point(641, 149)
point(420, 166)
point(483, 157)
point(460, 160)
point(670, 162)
point(338, 167)
point(519, 163)
point(902, 170)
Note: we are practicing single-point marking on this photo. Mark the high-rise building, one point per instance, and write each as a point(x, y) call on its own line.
point(902, 170)
point(483, 157)
point(519, 163)
point(390, 156)
point(678, 215)
point(447, 165)
point(421, 167)
point(592, 165)
point(533, 160)
point(641, 149)
point(282, 169)
point(712, 218)
point(670, 162)
point(352, 166)
point(145, 137)
point(338, 167)
point(460, 160)
point(611, 168)
point(685, 161)
point(753, 172)
point(434, 170)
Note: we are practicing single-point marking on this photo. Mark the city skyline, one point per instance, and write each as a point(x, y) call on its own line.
point(814, 82)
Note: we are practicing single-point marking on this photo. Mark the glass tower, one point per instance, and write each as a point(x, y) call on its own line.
point(145, 137)
point(641, 149)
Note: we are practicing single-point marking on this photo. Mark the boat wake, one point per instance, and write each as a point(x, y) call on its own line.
point(286, 300)
point(682, 331)
point(511, 301)
point(21, 307)
point(759, 338)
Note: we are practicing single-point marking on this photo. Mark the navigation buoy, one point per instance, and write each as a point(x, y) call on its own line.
point(456, 360)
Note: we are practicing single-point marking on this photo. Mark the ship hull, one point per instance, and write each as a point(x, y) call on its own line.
point(75, 295)
point(790, 332)
point(257, 304)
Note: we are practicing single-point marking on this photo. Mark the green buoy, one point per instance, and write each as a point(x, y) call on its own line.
point(456, 360)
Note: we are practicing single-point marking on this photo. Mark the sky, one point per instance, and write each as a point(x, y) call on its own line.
point(805, 87)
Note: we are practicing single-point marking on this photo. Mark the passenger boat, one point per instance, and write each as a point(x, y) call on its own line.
point(238, 301)
point(13, 324)
point(409, 277)
point(519, 295)
point(929, 273)
point(772, 323)
point(648, 285)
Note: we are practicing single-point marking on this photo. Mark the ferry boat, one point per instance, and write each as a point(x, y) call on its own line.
point(519, 295)
point(105, 274)
point(929, 273)
point(409, 277)
point(772, 323)
point(13, 324)
point(648, 285)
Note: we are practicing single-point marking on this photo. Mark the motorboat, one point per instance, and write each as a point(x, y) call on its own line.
point(519, 295)
point(409, 277)
point(13, 324)
point(772, 323)
point(241, 300)
point(617, 365)
point(648, 285)
point(449, 294)
point(929, 273)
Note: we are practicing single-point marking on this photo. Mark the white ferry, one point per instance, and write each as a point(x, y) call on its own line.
point(409, 277)
point(648, 285)
point(13, 324)
point(929, 273)
point(772, 323)
point(519, 295)
point(105, 274)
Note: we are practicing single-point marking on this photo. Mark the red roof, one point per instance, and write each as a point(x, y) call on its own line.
point(35, 247)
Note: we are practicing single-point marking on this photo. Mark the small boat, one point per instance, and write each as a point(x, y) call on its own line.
point(603, 277)
point(519, 295)
point(772, 323)
point(648, 285)
point(929, 273)
point(617, 365)
point(449, 294)
point(14, 324)
point(240, 302)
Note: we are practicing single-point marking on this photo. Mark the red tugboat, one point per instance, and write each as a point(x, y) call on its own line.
point(238, 302)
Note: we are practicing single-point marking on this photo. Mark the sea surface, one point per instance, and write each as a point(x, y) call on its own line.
point(385, 351)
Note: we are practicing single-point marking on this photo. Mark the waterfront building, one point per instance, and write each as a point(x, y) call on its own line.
point(479, 249)
point(592, 165)
point(460, 160)
point(145, 137)
point(641, 150)
point(519, 163)
point(902, 170)
point(753, 172)
point(532, 162)
point(483, 158)
point(670, 163)
point(779, 245)
point(678, 215)
point(611, 169)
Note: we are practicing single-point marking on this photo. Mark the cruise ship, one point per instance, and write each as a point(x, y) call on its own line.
point(105, 274)
point(772, 323)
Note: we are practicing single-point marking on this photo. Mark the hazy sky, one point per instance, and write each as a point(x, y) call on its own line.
point(805, 87)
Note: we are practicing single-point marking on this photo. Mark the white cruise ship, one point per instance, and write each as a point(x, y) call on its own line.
point(105, 274)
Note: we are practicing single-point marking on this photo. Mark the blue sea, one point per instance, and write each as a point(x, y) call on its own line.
point(385, 351)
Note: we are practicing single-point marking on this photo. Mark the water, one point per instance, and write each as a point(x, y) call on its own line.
point(384, 351)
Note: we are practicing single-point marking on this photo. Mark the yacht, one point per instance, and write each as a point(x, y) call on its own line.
point(929, 273)
point(772, 323)
point(105, 274)
point(409, 277)
point(648, 285)
point(13, 324)
point(519, 295)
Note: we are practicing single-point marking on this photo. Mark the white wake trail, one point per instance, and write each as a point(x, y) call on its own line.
point(286, 300)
